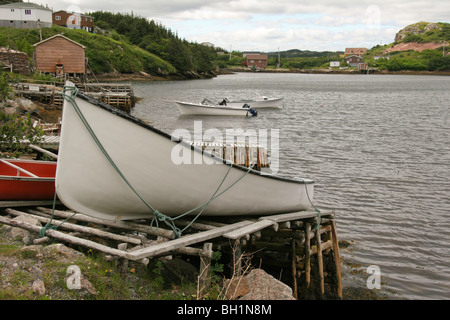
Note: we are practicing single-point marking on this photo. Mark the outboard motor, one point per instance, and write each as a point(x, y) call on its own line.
point(253, 112)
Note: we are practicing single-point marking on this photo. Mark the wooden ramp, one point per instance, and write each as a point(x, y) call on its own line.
point(303, 234)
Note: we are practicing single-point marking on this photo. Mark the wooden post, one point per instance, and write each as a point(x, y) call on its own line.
point(122, 263)
point(320, 261)
point(204, 279)
point(337, 259)
point(307, 254)
point(294, 269)
point(237, 259)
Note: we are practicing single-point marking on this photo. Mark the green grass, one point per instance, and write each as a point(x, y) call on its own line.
point(105, 54)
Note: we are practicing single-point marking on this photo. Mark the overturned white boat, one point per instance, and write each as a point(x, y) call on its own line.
point(114, 166)
point(208, 109)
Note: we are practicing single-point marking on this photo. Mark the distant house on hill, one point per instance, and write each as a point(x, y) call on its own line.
point(25, 15)
point(60, 55)
point(256, 60)
point(73, 20)
point(355, 51)
point(335, 64)
point(353, 60)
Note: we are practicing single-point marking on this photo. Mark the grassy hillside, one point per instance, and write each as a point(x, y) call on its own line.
point(105, 54)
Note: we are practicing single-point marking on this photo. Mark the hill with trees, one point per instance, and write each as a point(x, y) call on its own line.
point(422, 46)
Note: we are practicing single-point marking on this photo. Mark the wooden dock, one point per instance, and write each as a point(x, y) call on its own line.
point(119, 95)
point(305, 246)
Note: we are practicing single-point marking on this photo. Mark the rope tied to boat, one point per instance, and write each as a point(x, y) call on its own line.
point(49, 225)
point(157, 215)
point(319, 214)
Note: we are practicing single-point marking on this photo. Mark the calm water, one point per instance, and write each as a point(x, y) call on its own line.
point(378, 147)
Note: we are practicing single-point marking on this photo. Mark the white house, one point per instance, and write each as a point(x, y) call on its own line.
point(334, 64)
point(25, 15)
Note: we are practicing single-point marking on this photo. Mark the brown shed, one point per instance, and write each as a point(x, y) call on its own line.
point(59, 50)
point(257, 60)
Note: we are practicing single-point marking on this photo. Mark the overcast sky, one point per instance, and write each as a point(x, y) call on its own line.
point(271, 25)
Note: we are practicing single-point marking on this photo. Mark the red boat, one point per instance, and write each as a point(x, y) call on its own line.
point(27, 179)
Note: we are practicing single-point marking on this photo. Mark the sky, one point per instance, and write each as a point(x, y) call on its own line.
point(272, 25)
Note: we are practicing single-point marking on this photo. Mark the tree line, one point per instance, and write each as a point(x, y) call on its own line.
point(185, 56)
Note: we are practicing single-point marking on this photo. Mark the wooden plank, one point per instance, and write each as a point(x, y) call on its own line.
point(116, 224)
point(293, 216)
point(65, 237)
point(74, 227)
point(256, 226)
point(26, 203)
point(299, 215)
point(184, 241)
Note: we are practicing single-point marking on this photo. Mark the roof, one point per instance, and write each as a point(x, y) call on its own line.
point(24, 5)
point(74, 13)
point(58, 35)
point(257, 56)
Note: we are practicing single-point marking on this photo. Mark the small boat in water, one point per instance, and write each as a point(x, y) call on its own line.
point(114, 166)
point(206, 108)
point(27, 179)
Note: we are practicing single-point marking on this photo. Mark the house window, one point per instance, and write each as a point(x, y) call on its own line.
point(58, 18)
point(27, 11)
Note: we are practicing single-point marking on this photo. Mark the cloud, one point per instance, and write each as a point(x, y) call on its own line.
point(267, 24)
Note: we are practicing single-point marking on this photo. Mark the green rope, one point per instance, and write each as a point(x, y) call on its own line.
point(319, 214)
point(157, 215)
point(49, 225)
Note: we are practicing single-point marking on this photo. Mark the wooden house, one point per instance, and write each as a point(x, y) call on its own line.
point(256, 60)
point(353, 60)
point(60, 55)
point(73, 20)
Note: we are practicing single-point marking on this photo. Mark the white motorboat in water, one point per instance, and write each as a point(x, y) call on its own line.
point(208, 109)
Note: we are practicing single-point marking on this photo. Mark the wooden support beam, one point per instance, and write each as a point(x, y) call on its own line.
point(307, 254)
point(337, 259)
point(65, 237)
point(74, 227)
point(294, 269)
point(126, 225)
point(185, 241)
point(320, 262)
point(204, 280)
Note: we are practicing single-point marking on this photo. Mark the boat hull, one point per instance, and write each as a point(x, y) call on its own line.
point(258, 104)
point(187, 108)
point(171, 176)
point(16, 185)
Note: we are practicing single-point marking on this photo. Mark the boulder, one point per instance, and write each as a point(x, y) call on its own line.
point(258, 285)
point(38, 287)
point(27, 237)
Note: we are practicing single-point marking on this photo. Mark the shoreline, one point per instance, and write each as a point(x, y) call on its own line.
point(142, 76)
